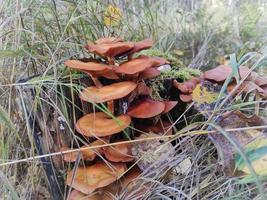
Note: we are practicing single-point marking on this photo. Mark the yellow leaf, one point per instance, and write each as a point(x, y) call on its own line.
point(201, 95)
point(112, 16)
point(258, 165)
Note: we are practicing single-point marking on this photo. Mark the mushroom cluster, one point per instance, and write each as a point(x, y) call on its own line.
point(252, 82)
point(119, 79)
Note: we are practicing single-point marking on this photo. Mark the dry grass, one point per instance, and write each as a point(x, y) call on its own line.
point(37, 36)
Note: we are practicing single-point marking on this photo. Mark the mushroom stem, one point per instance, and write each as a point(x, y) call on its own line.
point(96, 81)
point(111, 61)
point(130, 56)
point(111, 106)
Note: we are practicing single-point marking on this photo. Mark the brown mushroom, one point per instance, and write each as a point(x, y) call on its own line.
point(119, 153)
point(146, 108)
point(100, 124)
point(94, 70)
point(169, 105)
point(87, 66)
point(108, 93)
point(139, 64)
point(110, 50)
point(99, 175)
point(86, 154)
point(139, 46)
point(221, 73)
point(188, 86)
point(149, 73)
point(161, 127)
point(186, 97)
point(245, 87)
point(108, 40)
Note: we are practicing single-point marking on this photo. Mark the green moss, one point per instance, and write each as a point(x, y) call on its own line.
point(168, 56)
point(156, 84)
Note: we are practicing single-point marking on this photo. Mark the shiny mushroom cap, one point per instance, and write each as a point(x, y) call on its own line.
point(108, 93)
point(146, 108)
point(149, 73)
point(169, 105)
point(221, 73)
point(88, 179)
point(139, 64)
point(109, 49)
point(141, 45)
point(100, 124)
point(87, 66)
point(108, 40)
point(188, 86)
point(186, 97)
point(119, 153)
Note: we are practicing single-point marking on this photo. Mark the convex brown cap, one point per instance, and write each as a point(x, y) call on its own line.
point(108, 93)
point(146, 108)
point(88, 179)
point(100, 124)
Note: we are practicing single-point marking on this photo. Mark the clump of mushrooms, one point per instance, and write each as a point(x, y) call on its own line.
point(126, 88)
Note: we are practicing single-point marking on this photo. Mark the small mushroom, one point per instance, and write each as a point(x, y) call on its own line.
point(119, 153)
point(139, 64)
point(246, 87)
point(100, 124)
point(146, 108)
point(188, 86)
point(139, 46)
point(107, 93)
point(94, 70)
point(108, 40)
point(99, 175)
point(87, 66)
point(86, 154)
point(169, 105)
point(221, 73)
point(149, 73)
point(186, 97)
point(110, 50)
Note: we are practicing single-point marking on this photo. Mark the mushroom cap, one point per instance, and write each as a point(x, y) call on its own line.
point(246, 87)
point(141, 45)
point(119, 153)
point(107, 93)
point(139, 64)
point(76, 195)
point(87, 66)
point(108, 40)
point(188, 86)
point(186, 97)
point(169, 105)
point(221, 72)
point(149, 73)
point(88, 179)
point(160, 128)
point(86, 154)
point(146, 108)
point(107, 73)
point(100, 124)
point(109, 49)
